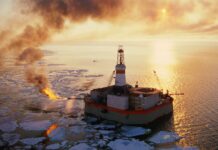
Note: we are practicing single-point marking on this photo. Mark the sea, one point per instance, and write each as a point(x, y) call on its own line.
point(179, 66)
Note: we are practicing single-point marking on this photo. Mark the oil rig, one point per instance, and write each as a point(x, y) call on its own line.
point(125, 103)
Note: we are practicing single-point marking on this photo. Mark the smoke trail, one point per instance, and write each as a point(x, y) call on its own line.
point(51, 16)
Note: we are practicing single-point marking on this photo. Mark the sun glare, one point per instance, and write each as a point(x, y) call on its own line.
point(163, 52)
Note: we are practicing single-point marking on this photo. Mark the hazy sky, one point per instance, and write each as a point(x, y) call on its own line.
point(113, 19)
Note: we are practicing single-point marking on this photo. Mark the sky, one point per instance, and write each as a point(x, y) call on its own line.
point(69, 21)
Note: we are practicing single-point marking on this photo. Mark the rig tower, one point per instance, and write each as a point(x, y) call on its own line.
point(120, 79)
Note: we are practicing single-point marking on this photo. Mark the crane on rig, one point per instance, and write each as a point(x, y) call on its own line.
point(111, 78)
point(157, 79)
point(160, 86)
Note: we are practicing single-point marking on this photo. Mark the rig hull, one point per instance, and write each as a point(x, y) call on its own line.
point(130, 117)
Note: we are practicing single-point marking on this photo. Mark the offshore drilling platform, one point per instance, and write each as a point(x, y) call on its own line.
point(125, 103)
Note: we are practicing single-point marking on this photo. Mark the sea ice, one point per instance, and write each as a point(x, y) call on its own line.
point(82, 146)
point(121, 144)
point(32, 141)
point(58, 134)
point(131, 131)
point(180, 148)
point(101, 143)
point(11, 138)
point(77, 129)
point(8, 125)
point(164, 137)
point(36, 125)
point(105, 126)
point(53, 146)
point(106, 132)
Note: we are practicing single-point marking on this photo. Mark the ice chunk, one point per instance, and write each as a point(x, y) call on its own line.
point(106, 132)
point(77, 129)
point(36, 125)
point(131, 131)
point(82, 146)
point(180, 148)
point(101, 143)
point(11, 138)
point(8, 125)
point(164, 137)
point(32, 141)
point(105, 126)
point(53, 146)
point(121, 144)
point(58, 134)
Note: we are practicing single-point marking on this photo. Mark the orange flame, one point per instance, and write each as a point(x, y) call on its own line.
point(48, 92)
point(51, 128)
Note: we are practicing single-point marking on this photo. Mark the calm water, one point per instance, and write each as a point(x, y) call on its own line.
point(188, 67)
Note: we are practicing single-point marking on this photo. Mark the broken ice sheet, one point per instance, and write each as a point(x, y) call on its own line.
point(180, 148)
point(36, 125)
point(105, 126)
point(53, 146)
point(164, 137)
point(8, 125)
point(77, 129)
point(121, 144)
point(131, 131)
point(82, 146)
point(58, 134)
point(32, 141)
point(11, 138)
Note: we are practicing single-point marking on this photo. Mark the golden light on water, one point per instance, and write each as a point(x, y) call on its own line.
point(163, 52)
point(48, 92)
point(162, 60)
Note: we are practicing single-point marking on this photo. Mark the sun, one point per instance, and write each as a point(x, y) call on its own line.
point(163, 11)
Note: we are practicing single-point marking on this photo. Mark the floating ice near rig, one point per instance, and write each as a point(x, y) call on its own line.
point(127, 104)
point(11, 138)
point(131, 131)
point(164, 137)
point(36, 125)
point(121, 144)
point(8, 125)
point(82, 146)
point(32, 141)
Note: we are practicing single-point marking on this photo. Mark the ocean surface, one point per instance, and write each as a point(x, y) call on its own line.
point(188, 67)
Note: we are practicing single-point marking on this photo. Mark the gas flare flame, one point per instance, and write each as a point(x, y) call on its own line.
point(50, 129)
point(50, 93)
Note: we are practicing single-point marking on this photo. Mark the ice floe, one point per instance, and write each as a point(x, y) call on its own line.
point(105, 126)
point(11, 138)
point(101, 143)
point(8, 125)
point(77, 129)
point(32, 141)
point(121, 144)
point(58, 134)
point(36, 125)
point(180, 148)
point(53, 146)
point(131, 131)
point(82, 146)
point(164, 137)
point(106, 132)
